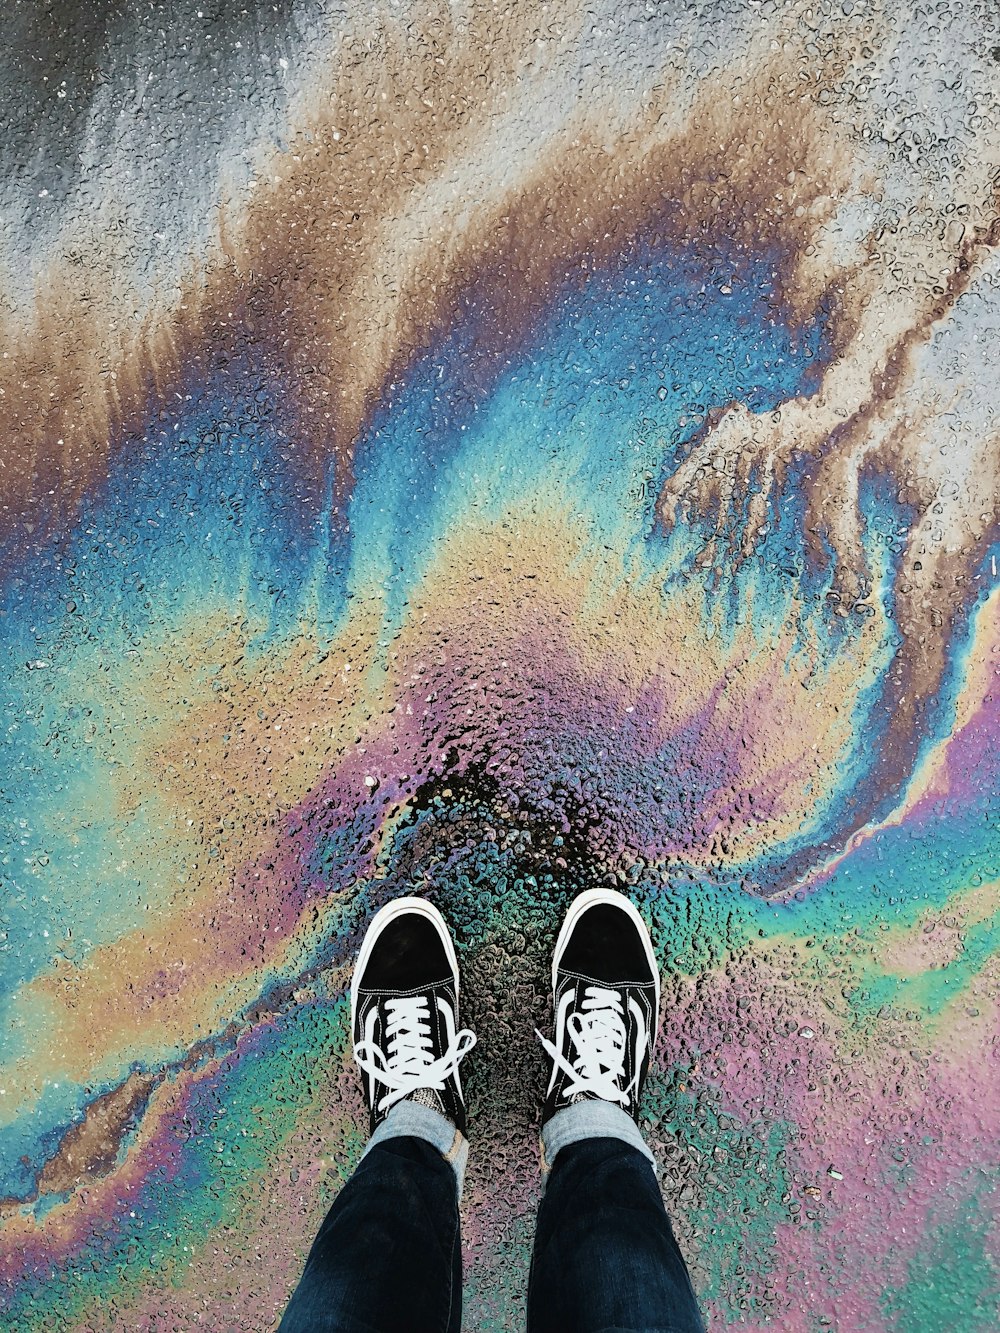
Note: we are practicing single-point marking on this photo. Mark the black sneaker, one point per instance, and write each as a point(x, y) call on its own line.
point(606, 991)
point(404, 1012)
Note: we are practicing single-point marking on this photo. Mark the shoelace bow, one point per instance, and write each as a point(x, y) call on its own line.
point(408, 1062)
point(598, 1033)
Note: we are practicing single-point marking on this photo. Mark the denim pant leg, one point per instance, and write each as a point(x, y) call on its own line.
point(605, 1258)
point(388, 1257)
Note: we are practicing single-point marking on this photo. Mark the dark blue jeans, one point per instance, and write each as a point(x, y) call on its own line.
point(388, 1256)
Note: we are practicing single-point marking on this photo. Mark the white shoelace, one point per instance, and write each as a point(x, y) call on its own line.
point(598, 1033)
point(408, 1062)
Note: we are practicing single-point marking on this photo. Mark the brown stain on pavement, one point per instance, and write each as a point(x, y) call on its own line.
point(91, 1148)
point(333, 279)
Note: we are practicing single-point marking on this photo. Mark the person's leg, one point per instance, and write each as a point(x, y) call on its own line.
point(605, 1258)
point(388, 1255)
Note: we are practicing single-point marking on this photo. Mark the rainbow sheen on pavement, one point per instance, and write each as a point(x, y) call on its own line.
point(489, 452)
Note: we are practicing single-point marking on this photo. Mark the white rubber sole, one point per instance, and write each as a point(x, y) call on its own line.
point(399, 907)
point(610, 898)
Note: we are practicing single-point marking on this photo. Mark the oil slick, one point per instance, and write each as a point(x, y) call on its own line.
point(490, 453)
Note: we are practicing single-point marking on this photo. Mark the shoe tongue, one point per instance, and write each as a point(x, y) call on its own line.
point(427, 1097)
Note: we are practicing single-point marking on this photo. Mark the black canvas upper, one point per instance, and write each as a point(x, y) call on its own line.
point(604, 964)
point(408, 960)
